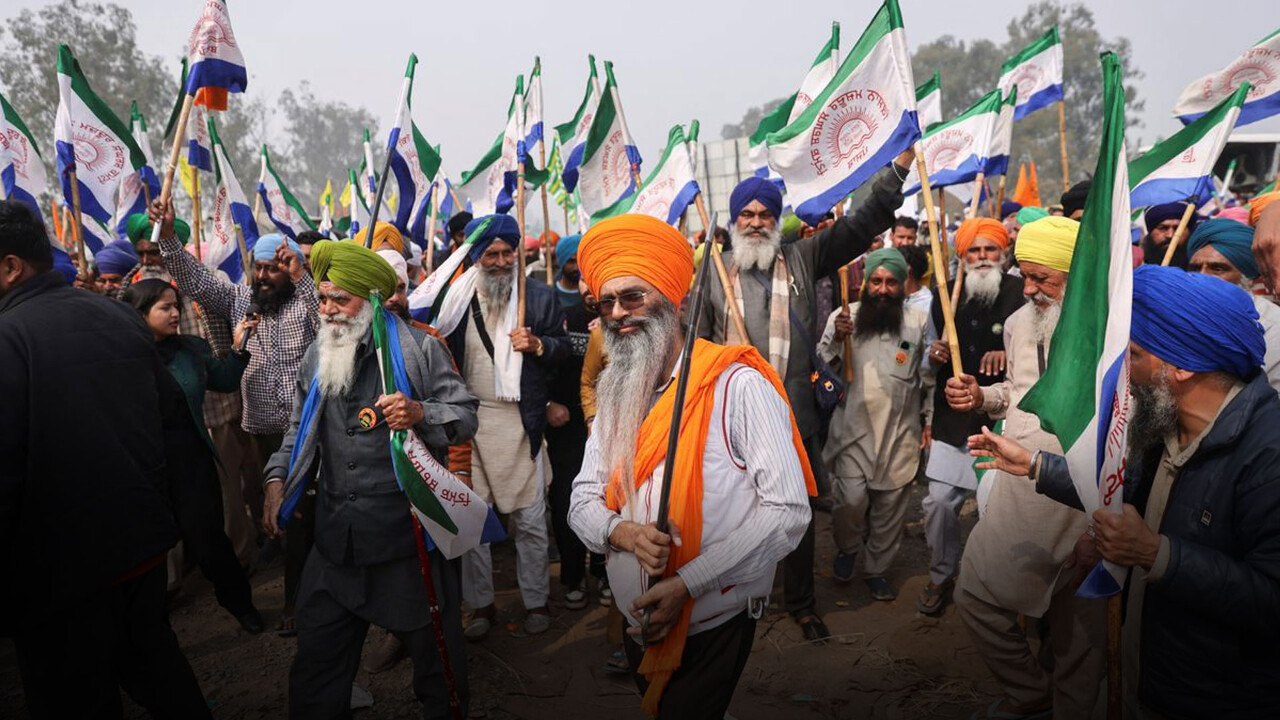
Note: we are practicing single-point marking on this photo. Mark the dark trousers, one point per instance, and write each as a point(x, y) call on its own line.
point(75, 661)
point(300, 532)
point(565, 448)
point(703, 685)
point(197, 507)
point(331, 638)
point(797, 568)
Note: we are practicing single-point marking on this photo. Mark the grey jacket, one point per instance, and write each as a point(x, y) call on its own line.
point(362, 516)
point(808, 260)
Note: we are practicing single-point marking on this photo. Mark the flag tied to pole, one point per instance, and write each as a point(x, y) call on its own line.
point(667, 191)
point(610, 160)
point(1092, 337)
point(1259, 66)
point(282, 207)
point(1181, 167)
point(134, 188)
point(1002, 136)
point(22, 174)
point(929, 102)
point(824, 67)
point(490, 185)
point(573, 134)
point(957, 150)
point(855, 126)
point(1037, 73)
point(214, 59)
point(414, 164)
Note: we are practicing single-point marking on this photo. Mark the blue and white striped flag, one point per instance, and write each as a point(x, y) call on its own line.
point(1259, 66)
point(1181, 168)
point(1037, 73)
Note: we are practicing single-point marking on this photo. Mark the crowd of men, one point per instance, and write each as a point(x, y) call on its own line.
point(809, 369)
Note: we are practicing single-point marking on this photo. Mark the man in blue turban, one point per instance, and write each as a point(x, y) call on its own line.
point(114, 261)
point(774, 301)
point(567, 278)
point(1162, 222)
point(1202, 494)
point(1224, 248)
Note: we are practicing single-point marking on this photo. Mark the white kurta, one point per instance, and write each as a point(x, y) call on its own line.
point(1269, 317)
point(875, 432)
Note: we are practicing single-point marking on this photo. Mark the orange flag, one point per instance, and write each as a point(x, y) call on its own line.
point(57, 220)
point(1027, 191)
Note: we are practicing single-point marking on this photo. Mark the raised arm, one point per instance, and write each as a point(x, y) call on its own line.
point(852, 235)
point(193, 279)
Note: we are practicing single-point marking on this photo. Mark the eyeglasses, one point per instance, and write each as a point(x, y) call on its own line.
point(629, 301)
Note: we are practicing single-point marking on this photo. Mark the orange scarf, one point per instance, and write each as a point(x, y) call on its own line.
point(708, 362)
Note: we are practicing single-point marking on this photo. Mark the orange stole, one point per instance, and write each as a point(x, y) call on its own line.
point(708, 362)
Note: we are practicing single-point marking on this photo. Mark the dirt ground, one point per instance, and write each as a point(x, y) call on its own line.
point(885, 659)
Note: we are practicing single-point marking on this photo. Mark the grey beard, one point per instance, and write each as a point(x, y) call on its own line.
point(637, 366)
point(1046, 321)
point(336, 343)
point(982, 284)
point(495, 292)
point(753, 251)
point(1155, 415)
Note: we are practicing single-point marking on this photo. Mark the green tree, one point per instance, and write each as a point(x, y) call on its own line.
point(324, 140)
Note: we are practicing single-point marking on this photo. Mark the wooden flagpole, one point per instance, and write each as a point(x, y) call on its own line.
point(942, 211)
point(992, 207)
point(714, 253)
point(939, 264)
point(1000, 192)
point(547, 256)
point(848, 341)
point(431, 234)
point(958, 284)
point(1062, 142)
point(76, 229)
point(244, 255)
point(179, 135)
point(196, 212)
point(520, 243)
point(979, 183)
point(1177, 234)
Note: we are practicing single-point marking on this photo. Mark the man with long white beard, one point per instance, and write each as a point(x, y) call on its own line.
point(1224, 248)
point(1200, 527)
point(740, 481)
point(364, 567)
point(509, 369)
point(873, 447)
point(1020, 555)
point(989, 296)
point(775, 289)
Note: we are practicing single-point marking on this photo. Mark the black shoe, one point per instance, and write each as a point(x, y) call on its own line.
point(842, 567)
point(251, 621)
point(814, 629)
point(881, 589)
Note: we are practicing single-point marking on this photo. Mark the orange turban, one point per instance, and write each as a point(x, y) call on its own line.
point(973, 228)
point(384, 235)
point(638, 245)
point(1256, 205)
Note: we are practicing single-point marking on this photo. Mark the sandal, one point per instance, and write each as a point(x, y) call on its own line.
point(617, 663)
point(934, 597)
point(285, 626)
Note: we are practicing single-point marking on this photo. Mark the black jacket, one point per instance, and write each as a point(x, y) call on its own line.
point(83, 480)
point(542, 314)
point(1211, 622)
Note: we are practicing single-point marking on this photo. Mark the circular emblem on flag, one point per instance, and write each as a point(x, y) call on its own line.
point(1259, 66)
point(841, 137)
point(655, 199)
point(945, 149)
point(97, 153)
point(1027, 77)
point(213, 30)
point(16, 144)
point(616, 166)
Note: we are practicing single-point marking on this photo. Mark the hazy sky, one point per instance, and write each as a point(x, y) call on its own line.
point(674, 60)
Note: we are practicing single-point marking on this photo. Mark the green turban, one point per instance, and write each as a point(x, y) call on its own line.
point(138, 227)
point(889, 259)
point(354, 268)
point(1031, 214)
point(791, 227)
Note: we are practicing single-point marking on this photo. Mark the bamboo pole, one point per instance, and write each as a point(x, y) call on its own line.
point(1182, 226)
point(520, 246)
point(978, 184)
point(939, 264)
point(77, 229)
point(1000, 192)
point(942, 211)
point(958, 284)
point(848, 341)
point(992, 208)
point(713, 251)
point(565, 208)
point(547, 257)
point(179, 135)
point(196, 213)
point(244, 255)
point(1062, 142)
point(431, 234)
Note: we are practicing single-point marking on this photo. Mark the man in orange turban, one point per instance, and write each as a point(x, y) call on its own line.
point(385, 235)
point(741, 483)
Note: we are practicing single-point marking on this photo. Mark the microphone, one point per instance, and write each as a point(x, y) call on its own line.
point(254, 310)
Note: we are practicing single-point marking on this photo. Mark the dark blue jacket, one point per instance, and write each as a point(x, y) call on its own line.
point(543, 315)
point(1211, 622)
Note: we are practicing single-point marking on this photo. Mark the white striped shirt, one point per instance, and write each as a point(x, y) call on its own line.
point(762, 453)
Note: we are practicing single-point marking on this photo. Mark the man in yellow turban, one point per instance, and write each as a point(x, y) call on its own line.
point(364, 566)
point(1019, 559)
point(385, 235)
point(741, 482)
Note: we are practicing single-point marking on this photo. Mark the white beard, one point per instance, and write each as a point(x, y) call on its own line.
point(336, 342)
point(637, 366)
point(494, 290)
point(753, 251)
point(1046, 320)
point(982, 282)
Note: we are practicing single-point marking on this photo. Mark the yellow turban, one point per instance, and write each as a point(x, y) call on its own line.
point(353, 268)
point(1257, 204)
point(1049, 241)
point(384, 235)
point(637, 245)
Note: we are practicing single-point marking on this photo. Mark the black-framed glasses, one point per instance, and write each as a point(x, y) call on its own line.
point(629, 301)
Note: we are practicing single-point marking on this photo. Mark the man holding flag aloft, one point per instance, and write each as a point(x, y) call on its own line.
point(741, 482)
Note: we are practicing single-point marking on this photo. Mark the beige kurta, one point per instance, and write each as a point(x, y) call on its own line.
point(1015, 555)
point(1269, 318)
point(875, 432)
point(502, 472)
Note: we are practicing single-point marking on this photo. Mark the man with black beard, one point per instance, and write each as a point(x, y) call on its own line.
point(365, 567)
point(1200, 529)
point(775, 289)
point(988, 298)
point(873, 449)
point(740, 481)
point(1020, 557)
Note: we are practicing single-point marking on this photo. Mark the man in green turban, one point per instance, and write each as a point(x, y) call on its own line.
point(873, 448)
point(138, 229)
point(363, 567)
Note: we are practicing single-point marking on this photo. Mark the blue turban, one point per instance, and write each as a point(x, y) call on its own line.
point(567, 248)
point(62, 263)
point(756, 188)
point(265, 249)
point(1157, 214)
point(1009, 207)
point(116, 258)
point(1233, 239)
point(502, 227)
point(1196, 322)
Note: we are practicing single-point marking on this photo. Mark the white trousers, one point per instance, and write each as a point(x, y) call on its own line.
point(528, 527)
